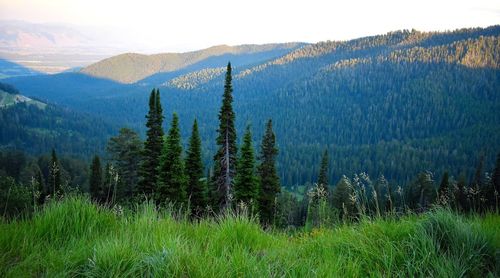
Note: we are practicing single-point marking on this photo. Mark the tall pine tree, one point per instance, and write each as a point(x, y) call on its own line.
point(153, 146)
point(54, 183)
point(225, 158)
point(171, 180)
point(196, 187)
point(95, 180)
point(246, 187)
point(269, 183)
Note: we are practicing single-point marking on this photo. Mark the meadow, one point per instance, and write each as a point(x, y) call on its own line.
point(76, 238)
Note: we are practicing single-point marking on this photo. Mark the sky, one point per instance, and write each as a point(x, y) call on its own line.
point(183, 25)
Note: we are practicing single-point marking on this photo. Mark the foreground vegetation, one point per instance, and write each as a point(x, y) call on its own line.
point(75, 237)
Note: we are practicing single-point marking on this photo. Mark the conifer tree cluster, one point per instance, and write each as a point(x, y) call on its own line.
point(161, 171)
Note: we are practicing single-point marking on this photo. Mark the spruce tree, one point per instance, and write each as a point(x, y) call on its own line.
point(196, 187)
point(269, 183)
point(225, 157)
point(95, 180)
point(54, 181)
point(323, 172)
point(246, 187)
point(148, 172)
point(171, 179)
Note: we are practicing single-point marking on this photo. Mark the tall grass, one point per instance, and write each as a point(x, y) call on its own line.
point(77, 238)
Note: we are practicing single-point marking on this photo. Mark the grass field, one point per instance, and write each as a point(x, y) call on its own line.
point(76, 238)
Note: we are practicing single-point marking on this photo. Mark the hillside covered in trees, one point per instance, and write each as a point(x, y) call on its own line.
point(394, 104)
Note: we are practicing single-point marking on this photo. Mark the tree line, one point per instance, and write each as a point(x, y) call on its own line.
point(159, 170)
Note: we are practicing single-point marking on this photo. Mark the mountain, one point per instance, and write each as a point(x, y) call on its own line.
point(10, 69)
point(37, 127)
point(393, 104)
point(132, 67)
point(53, 48)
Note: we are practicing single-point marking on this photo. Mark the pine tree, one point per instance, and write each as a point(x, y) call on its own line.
point(171, 180)
point(246, 187)
point(95, 179)
point(269, 183)
point(153, 146)
point(54, 181)
point(196, 187)
point(225, 158)
point(323, 172)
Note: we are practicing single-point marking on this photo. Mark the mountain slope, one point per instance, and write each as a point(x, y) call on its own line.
point(393, 104)
point(38, 127)
point(132, 67)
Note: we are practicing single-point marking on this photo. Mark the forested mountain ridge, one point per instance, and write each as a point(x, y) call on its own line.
point(34, 126)
point(133, 67)
point(394, 104)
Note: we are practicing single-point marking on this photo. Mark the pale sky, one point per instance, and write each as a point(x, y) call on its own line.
point(182, 25)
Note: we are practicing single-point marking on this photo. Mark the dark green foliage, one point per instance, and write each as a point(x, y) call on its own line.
point(421, 193)
point(54, 183)
point(36, 131)
point(196, 186)
point(444, 188)
point(95, 180)
point(323, 172)
point(31, 173)
point(246, 186)
point(124, 153)
point(152, 147)
point(225, 157)
point(385, 197)
point(460, 202)
point(495, 180)
point(172, 180)
point(108, 184)
point(381, 104)
point(269, 182)
point(344, 200)
point(14, 198)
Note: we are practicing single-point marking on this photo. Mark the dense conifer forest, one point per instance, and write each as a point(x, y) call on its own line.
point(383, 144)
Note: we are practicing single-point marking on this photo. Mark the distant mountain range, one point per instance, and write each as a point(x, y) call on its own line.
point(393, 104)
point(132, 67)
point(52, 48)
